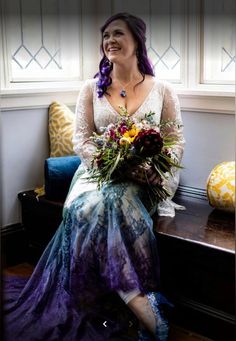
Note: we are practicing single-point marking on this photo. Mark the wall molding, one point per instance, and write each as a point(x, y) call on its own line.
point(192, 192)
point(194, 101)
point(11, 229)
point(33, 99)
point(207, 103)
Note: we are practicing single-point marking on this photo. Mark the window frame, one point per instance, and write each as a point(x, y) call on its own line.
point(193, 96)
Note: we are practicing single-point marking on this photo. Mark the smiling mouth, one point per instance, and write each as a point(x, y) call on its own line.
point(113, 49)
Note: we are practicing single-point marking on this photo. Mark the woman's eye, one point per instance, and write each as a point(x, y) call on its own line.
point(117, 33)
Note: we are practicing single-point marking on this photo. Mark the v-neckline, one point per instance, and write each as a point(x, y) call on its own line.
point(138, 109)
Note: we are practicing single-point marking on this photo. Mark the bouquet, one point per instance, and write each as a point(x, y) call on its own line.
point(130, 142)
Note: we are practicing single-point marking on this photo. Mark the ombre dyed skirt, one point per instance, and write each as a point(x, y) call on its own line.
point(105, 243)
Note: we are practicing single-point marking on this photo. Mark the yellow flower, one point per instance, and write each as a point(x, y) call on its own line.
point(125, 140)
point(132, 133)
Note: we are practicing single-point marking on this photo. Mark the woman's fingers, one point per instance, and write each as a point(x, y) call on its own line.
point(155, 180)
point(144, 174)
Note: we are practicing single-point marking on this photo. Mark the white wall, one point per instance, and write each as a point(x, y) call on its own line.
point(209, 140)
point(23, 151)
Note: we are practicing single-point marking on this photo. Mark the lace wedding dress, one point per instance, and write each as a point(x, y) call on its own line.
point(104, 248)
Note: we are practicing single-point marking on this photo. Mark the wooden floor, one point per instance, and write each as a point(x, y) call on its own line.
point(176, 333)
point(180, 334)
point(23, 269)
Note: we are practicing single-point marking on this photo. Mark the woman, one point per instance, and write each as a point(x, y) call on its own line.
point(105, 245)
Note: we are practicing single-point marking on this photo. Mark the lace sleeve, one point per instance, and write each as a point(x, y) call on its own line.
point(171, 111)
point(84, 126)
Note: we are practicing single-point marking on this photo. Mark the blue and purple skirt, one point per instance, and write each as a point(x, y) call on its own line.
point(104, 244)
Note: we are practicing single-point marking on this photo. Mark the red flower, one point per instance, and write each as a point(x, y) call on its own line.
point(122, 128)
point(113, 135)
point(148, 142)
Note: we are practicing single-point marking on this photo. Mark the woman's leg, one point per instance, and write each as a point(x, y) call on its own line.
point(147, 310)
point(141, 307)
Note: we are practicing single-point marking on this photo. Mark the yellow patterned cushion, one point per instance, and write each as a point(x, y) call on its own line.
point(61, 127)
point(221, 186)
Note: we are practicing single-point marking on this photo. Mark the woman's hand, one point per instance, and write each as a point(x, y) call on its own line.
point(144, 174)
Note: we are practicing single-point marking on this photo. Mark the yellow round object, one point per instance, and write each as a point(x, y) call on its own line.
point(221, 186)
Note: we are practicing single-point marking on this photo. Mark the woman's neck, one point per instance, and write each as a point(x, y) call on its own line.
point(125, 74)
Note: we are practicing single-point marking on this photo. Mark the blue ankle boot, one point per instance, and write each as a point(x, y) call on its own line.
point(157, 301)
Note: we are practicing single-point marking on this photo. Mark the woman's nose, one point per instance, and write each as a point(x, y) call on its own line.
point(111, 39)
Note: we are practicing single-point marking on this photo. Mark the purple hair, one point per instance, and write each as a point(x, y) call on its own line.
point(138, 29)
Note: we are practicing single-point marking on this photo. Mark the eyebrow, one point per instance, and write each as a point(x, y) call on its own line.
point(114, 30)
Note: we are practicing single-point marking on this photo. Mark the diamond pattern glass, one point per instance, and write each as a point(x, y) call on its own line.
point(43, 57)
point(164, 43)
point(227, 60)
point(22, 57)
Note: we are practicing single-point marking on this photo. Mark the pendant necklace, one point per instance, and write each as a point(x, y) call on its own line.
point(123, 87)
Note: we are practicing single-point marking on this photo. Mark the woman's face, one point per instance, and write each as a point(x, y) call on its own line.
point(118, 43)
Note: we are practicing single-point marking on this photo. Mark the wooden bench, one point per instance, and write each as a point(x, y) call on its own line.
point(197, 255)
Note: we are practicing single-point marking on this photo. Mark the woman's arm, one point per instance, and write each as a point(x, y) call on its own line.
point(84, 126)
point(171, 111)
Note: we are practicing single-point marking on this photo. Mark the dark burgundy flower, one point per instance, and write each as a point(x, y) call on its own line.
point(112, 134)
point(123, 128)
point(148, 142)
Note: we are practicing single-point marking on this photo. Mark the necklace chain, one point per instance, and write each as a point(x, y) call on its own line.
point(123, 87)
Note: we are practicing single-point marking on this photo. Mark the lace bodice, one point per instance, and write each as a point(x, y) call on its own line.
point(92, 113)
